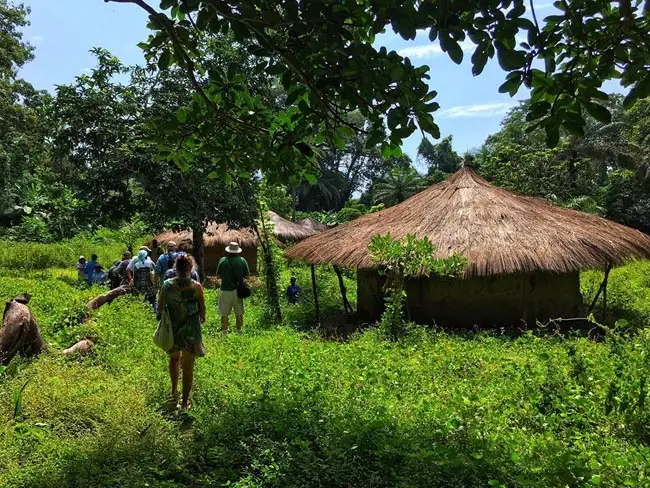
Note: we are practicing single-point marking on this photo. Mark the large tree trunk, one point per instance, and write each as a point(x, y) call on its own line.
point(197, 243)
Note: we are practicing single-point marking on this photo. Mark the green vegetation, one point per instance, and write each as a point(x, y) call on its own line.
point(281, 407)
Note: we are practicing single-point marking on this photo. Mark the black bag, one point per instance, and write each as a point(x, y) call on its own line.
point(243, 291)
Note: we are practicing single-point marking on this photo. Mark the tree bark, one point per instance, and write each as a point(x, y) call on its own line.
point(198, 247)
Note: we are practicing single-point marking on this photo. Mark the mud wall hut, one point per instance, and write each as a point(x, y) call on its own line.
point(524, 253)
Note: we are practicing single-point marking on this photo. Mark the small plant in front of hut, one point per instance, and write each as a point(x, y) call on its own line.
point(400, 259)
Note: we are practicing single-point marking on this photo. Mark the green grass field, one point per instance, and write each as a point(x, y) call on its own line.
point(281, 407)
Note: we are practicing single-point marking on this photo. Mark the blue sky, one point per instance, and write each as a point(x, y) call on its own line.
point(63, 32)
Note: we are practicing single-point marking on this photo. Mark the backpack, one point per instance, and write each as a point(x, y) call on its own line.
point(114, 273)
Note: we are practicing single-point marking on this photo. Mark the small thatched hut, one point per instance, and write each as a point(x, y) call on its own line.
point(524, 253)
point(287, 231)
point(216, 238)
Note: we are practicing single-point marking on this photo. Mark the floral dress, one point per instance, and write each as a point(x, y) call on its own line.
point(184, 312)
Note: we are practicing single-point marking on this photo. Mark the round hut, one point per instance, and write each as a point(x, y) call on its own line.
point(524, 253)
point(215, 239)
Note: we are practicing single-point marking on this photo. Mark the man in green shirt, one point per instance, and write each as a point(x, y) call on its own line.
point(231, 269)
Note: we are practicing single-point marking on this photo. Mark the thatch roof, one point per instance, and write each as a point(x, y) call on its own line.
point(215, 235)
point(288, 231)
point(312, 224)
point(497, 231)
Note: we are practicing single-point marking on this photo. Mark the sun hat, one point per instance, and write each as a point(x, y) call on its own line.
point(144, 248)
point(171, 244)
point(82, 257)
point(233, 248)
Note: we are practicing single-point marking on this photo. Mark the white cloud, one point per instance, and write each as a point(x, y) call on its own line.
point(483, 110)
point(37, 38)
point(431, 50)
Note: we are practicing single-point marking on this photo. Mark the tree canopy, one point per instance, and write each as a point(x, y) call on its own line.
point(324, 54)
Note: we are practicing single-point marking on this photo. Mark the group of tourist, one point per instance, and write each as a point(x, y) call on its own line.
point(169, 281)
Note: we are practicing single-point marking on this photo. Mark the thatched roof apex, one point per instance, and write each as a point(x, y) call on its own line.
point(499, 232)
point(215, 235)
point(288, 231)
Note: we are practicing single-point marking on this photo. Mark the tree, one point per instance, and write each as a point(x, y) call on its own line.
point(397, 186)
point(22, 131)
point(602, 172)
point(587, 43)
point(95, 121)
point(439, 157)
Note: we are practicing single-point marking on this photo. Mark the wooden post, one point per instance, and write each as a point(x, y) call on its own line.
point(601, 289)
point(315, 291)
point(609, 268)
point(347, 308)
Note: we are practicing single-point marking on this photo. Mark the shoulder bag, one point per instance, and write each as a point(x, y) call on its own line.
point(243, 291)
point(164, 335)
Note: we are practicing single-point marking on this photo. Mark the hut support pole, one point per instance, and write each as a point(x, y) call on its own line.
point(347, 308)
point(315, 291)
point(601, 289)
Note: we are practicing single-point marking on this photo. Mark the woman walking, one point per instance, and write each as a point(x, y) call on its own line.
point(185, 303)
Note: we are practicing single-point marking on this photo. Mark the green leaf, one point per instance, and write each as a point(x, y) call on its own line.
point(426, 123)
point(311, 179)
point(451, 47)
point(641, 90)
point(479, 60)
point(598, 112)
point(510, 59)
point(165, 4)
point(181, 115)
point(305, 149)
point(552, 135)
point(397, 72)
point(164, 60)
point(595, 480)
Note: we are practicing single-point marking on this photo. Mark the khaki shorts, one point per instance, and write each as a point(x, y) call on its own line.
point(229, 301)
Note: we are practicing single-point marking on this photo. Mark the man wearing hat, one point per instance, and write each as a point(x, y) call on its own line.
point(231, 269)
point(165, 262)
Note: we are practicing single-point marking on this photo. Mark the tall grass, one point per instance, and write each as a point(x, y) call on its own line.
point(281, 407)
point(108, 245)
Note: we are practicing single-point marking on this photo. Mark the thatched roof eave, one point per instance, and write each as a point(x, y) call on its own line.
point(499, 232)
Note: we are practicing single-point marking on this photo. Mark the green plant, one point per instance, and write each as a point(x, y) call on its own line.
point(404, 258)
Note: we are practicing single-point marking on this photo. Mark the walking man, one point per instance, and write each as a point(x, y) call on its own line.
point(232, 269)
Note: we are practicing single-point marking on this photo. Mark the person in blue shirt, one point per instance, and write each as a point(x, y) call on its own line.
point(94, 271)
point(165, 263)
point(293, 291)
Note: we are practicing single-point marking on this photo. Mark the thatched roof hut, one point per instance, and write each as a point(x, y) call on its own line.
point(500, 233)
point(287, 231)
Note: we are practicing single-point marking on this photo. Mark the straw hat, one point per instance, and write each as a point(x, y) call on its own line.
point(233, 248)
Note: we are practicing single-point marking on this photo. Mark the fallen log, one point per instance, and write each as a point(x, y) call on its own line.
point(83, 347)
point(108, 297)
point(19, 333)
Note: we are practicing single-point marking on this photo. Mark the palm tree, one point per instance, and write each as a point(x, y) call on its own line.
point(400, 184)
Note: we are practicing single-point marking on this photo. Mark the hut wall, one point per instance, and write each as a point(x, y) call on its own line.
point(213, 254)
point(485, 301)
